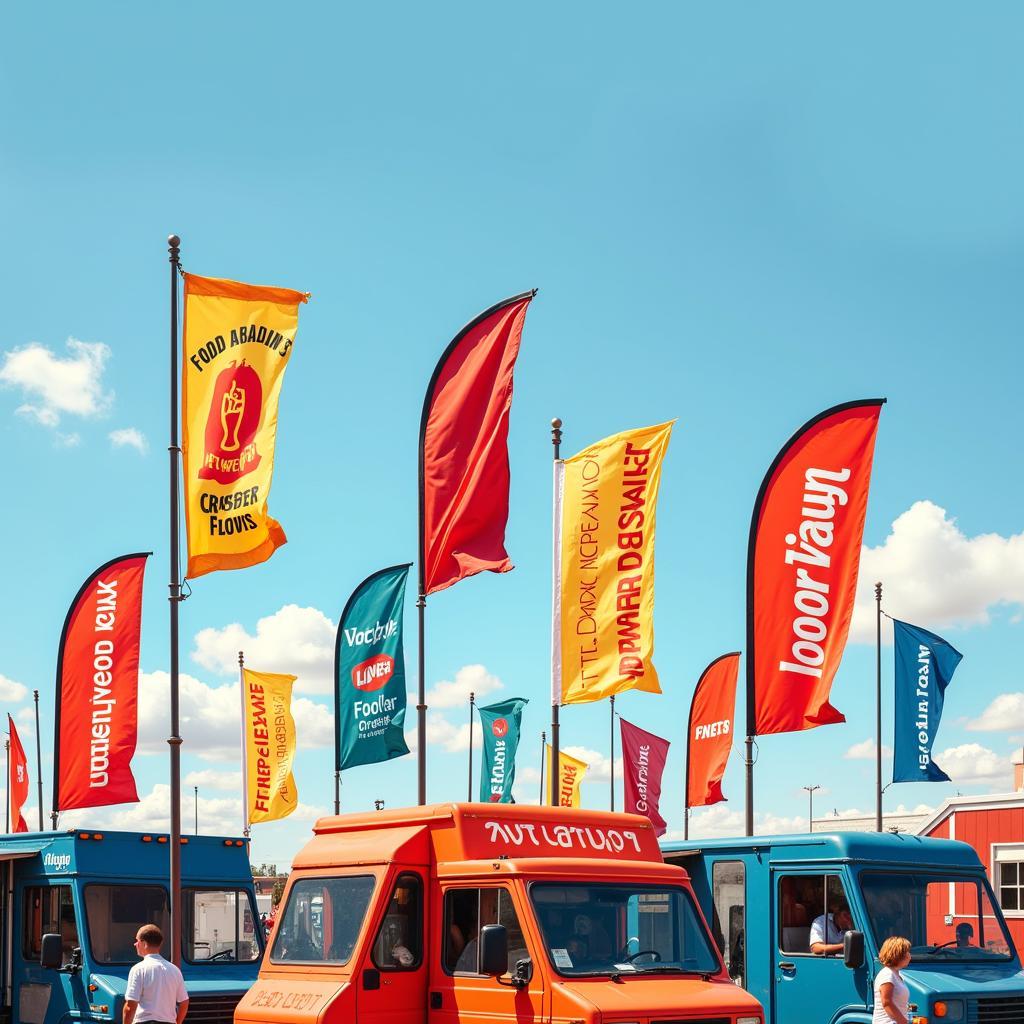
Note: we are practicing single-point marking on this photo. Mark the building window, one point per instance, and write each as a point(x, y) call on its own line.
point(1011, 884)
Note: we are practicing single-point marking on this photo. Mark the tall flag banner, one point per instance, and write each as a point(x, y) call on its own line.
point(925, 664)
point(369, 672)
point(570, 774)
point(500, 724)
point(608, 495)
point(98, 688)
point(464, 470)
point(710, 730)
point(17, 780)
point(643, 764)
point(237, 342)
point(802, 564)
point(270, 745)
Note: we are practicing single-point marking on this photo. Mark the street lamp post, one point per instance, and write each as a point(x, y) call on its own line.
point(810, 807)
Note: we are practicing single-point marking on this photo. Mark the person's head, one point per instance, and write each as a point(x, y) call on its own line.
point(148, 939)
point(582, 925)
point(895, 952)
point(842, 917)
point(964, 933)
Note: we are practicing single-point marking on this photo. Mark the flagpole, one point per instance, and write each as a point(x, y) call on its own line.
point(612, 775)
point(556, 624)
point(174, 599)
point(7, 810)
point(878, 707)
point(469, 792)
point(543, 751)
point(337, 792)
point(39, 761)
point(245, 745)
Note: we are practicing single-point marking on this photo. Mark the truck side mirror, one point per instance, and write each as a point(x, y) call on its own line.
point(853, 949)
point(493, 950)
point(51, 953)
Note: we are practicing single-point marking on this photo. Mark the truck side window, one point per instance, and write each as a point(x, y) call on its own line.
point(811, 909)
point(729, 923)
point(466, 911)
point(49, 909)
point(399, 943)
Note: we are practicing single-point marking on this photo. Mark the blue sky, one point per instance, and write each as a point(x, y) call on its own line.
point(735, 218)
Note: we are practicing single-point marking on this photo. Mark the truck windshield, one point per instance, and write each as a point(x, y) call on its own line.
point(613, 929)
point(220, 926)
point(322, 919)
point(945, 916)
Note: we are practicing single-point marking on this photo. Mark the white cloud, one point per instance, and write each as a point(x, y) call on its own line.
point(1005, 712)
point(11, 691)
point(58, 385)
point(211, 717)
point(973, 763)
point(442, 733)
point(129, 437)
point(933, 573)
point(455, 693)
point(865, 751)
point(720, 820)
point(210, 778)
point(299, 641)
point(600, 764)
point(62, 440)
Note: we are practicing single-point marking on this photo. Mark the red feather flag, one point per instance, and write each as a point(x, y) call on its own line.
point(464, 470)
point(17, 780)
point(710, 731)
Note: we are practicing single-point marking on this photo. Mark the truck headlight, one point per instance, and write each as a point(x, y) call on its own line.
point(748, 1020)
point(948, 1009)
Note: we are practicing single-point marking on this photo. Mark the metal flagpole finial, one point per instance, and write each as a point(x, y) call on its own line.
point(556, 431)
point(878, 591)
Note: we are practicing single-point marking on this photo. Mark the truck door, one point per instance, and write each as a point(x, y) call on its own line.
point(809, 906)
point(458, 992)
point(393, 983)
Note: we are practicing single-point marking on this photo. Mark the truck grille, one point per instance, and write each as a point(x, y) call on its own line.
point(212, 1009)
point(1001, 1010)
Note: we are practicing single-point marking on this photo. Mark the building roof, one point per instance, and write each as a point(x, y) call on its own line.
point(983, 802)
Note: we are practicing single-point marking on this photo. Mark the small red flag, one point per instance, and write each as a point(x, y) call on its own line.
point(464, 473)
point(802, 563)
point(643, 764)
point(98, 689)
point(710, 731)
point(17, 780)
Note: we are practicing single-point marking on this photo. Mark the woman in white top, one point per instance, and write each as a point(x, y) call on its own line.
point(892, 997)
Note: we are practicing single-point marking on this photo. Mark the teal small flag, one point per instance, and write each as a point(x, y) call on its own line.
point(500, 723)
point(369, 672)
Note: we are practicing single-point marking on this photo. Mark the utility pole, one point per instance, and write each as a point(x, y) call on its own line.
point(810, 808)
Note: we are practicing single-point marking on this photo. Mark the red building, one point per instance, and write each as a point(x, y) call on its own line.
point(994, 826)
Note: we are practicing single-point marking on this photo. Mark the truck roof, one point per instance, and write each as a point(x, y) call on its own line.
point(127, 855)
point(448, 833)
point(886, 847)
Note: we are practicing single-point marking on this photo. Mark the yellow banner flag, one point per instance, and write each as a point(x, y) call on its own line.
point(237, 341)
point(570, 775)
point(269, 731)
point(607, 496)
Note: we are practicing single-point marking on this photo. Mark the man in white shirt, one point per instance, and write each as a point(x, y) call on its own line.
point(828, 929)
point(156, 990)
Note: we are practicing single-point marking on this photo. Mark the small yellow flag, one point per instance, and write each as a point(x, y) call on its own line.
point(269, 745)
point(607, 499)
point(237, 342)
point(570, 775)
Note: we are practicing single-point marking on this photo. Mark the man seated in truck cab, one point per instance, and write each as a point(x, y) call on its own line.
point(827, 931)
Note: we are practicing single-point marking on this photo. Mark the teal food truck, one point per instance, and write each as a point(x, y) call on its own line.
point(94, 890)
point(764, 895)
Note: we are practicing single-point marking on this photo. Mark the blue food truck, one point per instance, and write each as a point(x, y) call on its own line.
point(764, 894)
point(94, 890)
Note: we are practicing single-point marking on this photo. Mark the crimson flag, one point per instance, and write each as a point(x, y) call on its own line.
point(802, 563)
point(17, 779)
point(643, 764)
point(464, 474)
point(97, 689)
point(710, 729)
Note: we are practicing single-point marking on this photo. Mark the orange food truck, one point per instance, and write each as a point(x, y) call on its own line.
point(471, 913)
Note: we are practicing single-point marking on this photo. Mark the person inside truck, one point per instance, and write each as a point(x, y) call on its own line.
point(827, 931)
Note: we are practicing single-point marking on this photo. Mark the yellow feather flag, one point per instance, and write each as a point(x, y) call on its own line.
point(606, 498)
point(237, 342)
point(570, 774)
point(269, 745)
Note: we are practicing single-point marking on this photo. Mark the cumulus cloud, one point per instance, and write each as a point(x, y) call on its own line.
point(972, 763)
point(600, 769)
point(210, 778)
point(129, 437)
point(1005, 712)
point(10, 691)
point(721, 820)
point(455, 693)
point(865, 750)
point(932, 572)
point(454, 739)
point(299, 641)
point(55, 385)
point(211, 718)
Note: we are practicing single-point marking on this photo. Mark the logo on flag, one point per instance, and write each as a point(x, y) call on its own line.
point(373, 673)
point(231, 425)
